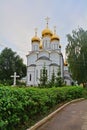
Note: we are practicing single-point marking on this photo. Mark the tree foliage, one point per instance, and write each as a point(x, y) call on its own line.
point(10, 62)
point(20, 107)
point(76, 51)
point(51, 82)
point(56, 79)
point(43, 76)
point(59, 80)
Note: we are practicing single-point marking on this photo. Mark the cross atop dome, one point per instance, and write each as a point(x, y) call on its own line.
point(47, 20)
point(54, 29)
point(36, 31)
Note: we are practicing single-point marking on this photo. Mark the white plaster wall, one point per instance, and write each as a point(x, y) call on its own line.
point(54, 57)
point(35, 46)
point(31, 70)
point(66, 74)
point(62, 66)
point(31, 59)
point(66, 68)
point(46, 43)
point(54, 45)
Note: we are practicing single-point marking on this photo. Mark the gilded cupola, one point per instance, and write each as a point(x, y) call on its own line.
point(47, 31)
point(35, 38)
point(65, 63)
point(55, 36)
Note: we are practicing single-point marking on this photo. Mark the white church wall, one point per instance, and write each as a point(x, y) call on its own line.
point(54, 45)
point(46, 43)
point(66, 73)
point(54, 56)
point(30, 76)
point(31, 58)
point(35, 46)
point(62, 65)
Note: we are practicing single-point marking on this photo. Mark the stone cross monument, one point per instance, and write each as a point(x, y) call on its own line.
point(14, 76)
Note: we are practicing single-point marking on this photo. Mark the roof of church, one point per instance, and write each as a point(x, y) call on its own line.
point(32, 65)
point(53, 64)
point(43, 58)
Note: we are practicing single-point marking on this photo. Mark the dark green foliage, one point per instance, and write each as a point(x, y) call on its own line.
point(59, 80)
point(21, 106)
point(76, 51)
point(56, 80)
point(10, 62)
point(85, 93)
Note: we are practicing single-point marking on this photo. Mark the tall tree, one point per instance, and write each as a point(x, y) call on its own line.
point(43, 76)
point(76, 51)
point(51, 82)
point(10, 62)
point(59, 80)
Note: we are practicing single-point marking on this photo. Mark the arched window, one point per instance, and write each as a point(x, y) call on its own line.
point(30, 77)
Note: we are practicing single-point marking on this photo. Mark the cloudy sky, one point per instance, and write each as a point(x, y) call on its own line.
point(18, 18)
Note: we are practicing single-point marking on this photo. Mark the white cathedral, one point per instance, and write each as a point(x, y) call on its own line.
point(45, 51)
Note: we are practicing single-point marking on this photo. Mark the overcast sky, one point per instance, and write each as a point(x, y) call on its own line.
point(18, 18)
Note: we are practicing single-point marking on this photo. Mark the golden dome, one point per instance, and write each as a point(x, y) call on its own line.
point(35, 39)
point(65, 63)
point(46, 32)
point(41, 46)
point(55, 37)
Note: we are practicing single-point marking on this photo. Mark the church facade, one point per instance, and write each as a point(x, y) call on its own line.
point(45, 51)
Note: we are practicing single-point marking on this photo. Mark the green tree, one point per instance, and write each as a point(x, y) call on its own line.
point(59, 80)
point(43, 77)
point(76, 51)
point(10, 62)
point(51, 82)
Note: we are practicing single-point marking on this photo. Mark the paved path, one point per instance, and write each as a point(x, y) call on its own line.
point(72, 117)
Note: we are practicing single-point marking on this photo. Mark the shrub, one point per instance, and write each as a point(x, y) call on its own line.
point(19, 106)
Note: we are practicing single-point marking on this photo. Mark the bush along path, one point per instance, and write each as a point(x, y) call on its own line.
point(19, 107)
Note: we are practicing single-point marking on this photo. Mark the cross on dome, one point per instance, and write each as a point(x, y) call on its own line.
point(54, 29)
point(47, 20)
point(36, 31)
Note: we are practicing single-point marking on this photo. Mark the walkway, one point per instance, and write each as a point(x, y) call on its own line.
point(72, 117)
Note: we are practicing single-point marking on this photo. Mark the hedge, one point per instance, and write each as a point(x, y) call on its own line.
point(21, 106)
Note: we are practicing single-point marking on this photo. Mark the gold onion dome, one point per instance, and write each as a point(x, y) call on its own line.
point(65, 63)
point(55, 37)
point(35, 38)
point(47, 31)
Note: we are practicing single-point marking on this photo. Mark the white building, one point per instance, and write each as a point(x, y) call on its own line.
point(46, 50)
